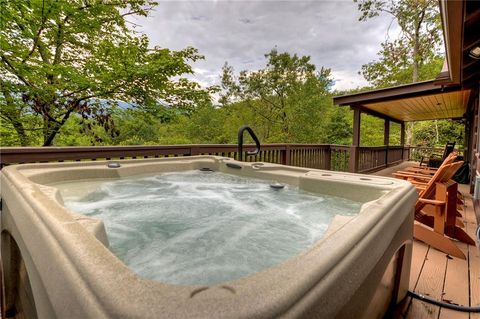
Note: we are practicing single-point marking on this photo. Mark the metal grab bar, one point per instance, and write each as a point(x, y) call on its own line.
point(240, 142)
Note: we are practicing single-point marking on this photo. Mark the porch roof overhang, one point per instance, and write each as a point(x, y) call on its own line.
point(412, 102)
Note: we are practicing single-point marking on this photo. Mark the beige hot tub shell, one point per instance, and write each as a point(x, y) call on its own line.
point(358, 269)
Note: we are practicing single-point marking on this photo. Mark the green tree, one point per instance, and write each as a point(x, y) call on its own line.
point(439, 134)
point(339, 128)
point(289, 95)
point(414, 55)
point(60, 58)
point(371, 130)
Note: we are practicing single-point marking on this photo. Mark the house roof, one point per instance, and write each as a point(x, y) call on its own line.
point(446, 96)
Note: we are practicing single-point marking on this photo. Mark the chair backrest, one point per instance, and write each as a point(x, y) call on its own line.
point(449, 147)
point(444, 173)
point(441, 176)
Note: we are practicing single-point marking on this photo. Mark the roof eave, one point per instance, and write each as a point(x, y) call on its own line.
point(393, 93)
point(451, 13)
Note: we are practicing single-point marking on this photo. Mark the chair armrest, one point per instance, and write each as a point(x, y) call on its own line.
point(412, 175)
point(425, 170)
point(418, 183)
point(422, 168)
point(421, 179)
point(432, 201)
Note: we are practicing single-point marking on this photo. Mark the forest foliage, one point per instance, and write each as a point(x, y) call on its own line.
point(73, 73)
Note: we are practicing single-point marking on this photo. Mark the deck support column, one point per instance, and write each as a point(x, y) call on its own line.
point(402, 141)
point(386, 132)
point(386, 138)
point(354, 149)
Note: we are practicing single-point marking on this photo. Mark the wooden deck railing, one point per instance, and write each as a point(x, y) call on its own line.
point(305, 155)
point(322, 156)
point(378, 157)
point(340, 158)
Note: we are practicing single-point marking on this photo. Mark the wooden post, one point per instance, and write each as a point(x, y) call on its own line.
point(402, 141)
point(386, 132)
point(328, 158)
point(386, 138)
point(285, 155)
point(450, 220)
point(353, 164)
point(402, 133)
point(439, 217)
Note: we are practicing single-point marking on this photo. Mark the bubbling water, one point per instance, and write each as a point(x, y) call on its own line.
point(198, 227)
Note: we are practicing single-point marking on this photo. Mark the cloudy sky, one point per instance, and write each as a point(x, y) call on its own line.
point(241, 32)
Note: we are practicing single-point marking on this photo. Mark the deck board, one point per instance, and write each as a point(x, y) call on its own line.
point(456, 288)
point(419, 252)
point(474, 261)
point(430, 283)
point(474, 280)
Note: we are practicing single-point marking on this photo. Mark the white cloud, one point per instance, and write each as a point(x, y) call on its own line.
point(241, 32)
point(345, 80)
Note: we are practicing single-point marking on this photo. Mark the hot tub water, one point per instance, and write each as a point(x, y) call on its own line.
point(201, 227)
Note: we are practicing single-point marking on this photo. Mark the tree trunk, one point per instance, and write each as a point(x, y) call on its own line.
point(50, 130)
point(409, 133)
point(46, 131)
point(19, 129)
point(52, 127)
point(415, 63)
point(22, 135)
point(415, 72)
point(416, 47)
point(285, 128)
point(13, 115)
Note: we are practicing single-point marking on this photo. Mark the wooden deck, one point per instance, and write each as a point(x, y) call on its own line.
point(441, 276)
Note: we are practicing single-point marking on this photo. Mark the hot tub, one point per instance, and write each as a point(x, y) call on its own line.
point(58, 263)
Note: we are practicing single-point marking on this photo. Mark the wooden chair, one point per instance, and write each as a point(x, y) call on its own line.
point(423, 171)
point(421, 176)
point(435, 212)
point(435, 160)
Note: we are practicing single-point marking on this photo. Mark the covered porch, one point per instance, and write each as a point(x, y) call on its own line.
point(407, 103)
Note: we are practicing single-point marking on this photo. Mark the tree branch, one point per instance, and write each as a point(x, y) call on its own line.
point(36, 38)
point(14, 71)
point(59, 41)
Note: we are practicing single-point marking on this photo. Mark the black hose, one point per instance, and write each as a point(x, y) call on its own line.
point(443, 304)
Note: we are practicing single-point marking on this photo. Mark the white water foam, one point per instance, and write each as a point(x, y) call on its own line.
point(199, 227)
